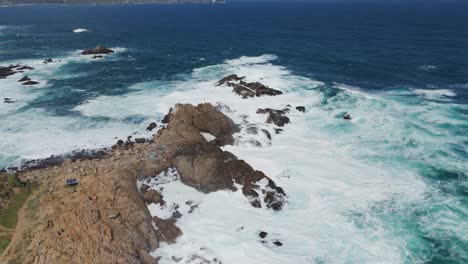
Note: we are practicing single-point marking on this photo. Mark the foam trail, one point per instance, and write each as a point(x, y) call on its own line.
point(81, 30)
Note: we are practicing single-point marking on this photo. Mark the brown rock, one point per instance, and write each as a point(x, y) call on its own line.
point(166, 229)
point(203, 165)
point(152, 196)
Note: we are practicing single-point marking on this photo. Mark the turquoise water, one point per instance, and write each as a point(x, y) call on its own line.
point(388, 187)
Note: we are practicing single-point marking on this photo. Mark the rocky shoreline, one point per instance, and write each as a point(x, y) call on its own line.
point(105, 217)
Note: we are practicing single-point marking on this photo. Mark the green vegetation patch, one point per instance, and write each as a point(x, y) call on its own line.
point(9, 215)
point(4, 242)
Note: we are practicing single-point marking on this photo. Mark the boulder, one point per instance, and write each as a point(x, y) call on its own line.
point(166, 230)
point(97, 50)
point(301, 109)
point(277, 117)
point(152, 196)
point(347, 117)
point(151, 126)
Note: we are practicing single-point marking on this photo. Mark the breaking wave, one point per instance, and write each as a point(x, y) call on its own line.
point(368, 190)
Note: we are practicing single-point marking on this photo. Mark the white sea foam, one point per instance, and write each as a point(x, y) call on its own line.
point(434, 93)
point(80, 30)
point(427, 67)
point(315, 159)
point(329, 167)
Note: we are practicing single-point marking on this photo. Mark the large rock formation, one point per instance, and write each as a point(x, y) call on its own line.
point(204, 165)
point(105, 218)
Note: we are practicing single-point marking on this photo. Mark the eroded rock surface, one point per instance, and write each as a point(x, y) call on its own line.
point(247, 89)
point(105, 218)
point(277, 117)
point(204, 165)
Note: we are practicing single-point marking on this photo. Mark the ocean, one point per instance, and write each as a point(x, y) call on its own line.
point(388, 186)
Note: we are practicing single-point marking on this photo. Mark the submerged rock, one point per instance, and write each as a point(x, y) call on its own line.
point(7, 100)
point(97, 50)
point(24, 79)
point(301, 109)
point(30, 82)
point(347, 117)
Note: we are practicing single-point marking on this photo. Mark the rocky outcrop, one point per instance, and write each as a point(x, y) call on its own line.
point(205, 118)
point(277, 117)
point(230, 79)
point(97, 50)
point(204, 165)
point(105, 219)
point(246, 89)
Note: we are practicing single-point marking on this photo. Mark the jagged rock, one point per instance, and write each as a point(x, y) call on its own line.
point(229, 79)
point(301, 109)
point(24, 79)
point(151, 126)
point(140, 140)
point(7, 71)
point(246, 89)
point(46, 61)
point(205, 166)
point(166, 229)
point(7, 100)
point(152, 196)
point(25, 68)
point(30, 82)
point(277, 117)
point(206, 118)
point(97, 50)
point(167, 118)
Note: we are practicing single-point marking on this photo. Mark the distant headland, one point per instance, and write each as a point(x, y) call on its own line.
point(97, 2)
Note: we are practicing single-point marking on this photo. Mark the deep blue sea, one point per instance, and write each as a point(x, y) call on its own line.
point(390, 186)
